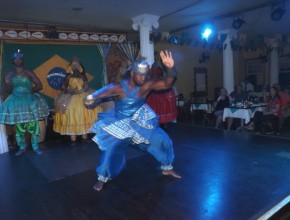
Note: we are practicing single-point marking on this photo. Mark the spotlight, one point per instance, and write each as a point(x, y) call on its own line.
point(206, 33)
point(155, 37)
point(172, 39)
point(237, 23)
point(277, 13)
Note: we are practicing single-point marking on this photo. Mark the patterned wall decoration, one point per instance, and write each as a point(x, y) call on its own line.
point(12, 34)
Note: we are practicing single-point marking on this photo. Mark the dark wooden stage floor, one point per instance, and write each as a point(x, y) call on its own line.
point(226, 175)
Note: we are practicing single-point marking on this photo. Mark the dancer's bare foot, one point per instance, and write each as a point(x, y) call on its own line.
point(99, 185)
point(171, 172)
point(73, 138)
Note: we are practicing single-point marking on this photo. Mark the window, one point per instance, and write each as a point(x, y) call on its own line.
point(284, 71)
point(255, 70)
point(284, 65)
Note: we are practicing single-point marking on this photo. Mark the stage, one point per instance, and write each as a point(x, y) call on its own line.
point(225, 175)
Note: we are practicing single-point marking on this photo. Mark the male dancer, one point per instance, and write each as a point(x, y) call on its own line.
point(132, 121)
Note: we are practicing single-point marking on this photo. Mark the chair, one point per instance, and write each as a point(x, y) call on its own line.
point(184, 112)
point(271, 125)
point(198, 116)
point(209, 119)
point(284, 116)
point(194, 96)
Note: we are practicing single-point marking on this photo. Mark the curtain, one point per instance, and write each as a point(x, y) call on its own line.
point(1, 53)
point(130, 51)
point(104, 51)
point(3, 138)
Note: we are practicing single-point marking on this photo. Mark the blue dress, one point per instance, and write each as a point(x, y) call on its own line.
point(131, 122)
point(22, 105)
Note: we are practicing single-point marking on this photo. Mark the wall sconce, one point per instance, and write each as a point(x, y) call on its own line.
point(277, 12)
point(237, 23)
point(204, 57)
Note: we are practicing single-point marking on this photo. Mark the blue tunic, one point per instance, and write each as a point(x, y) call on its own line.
point(130, 119)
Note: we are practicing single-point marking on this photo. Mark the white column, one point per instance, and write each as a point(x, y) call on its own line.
point(274, 62)
point(228, 61)
point(3, 137)
point(144, 24)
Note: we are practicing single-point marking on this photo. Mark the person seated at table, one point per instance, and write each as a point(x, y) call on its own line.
point(261, 96)
point(222, 102)
point(271, 114)
point(285, 104)
point(237, 96)
point(247, 85)
point(265, 95)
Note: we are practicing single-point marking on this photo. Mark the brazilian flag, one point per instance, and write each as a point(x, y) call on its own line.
point(41, 58)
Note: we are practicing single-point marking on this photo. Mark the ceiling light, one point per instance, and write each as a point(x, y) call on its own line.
point(172, 39)
point(206, 33)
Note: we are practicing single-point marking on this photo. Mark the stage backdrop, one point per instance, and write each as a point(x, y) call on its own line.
point(43, 58)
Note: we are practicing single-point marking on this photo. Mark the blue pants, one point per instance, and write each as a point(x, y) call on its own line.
point(113, 159)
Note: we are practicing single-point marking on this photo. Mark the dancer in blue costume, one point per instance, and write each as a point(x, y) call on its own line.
point(132, 121)
point(23, 108)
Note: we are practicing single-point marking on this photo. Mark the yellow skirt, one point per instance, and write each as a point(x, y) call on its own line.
point(77, 119)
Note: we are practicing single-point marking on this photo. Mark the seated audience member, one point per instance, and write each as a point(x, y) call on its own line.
point(237, 96)
point(265, 95)
point(285, 97)
point(223, 101)
point(261, 96)
point(270, 115)
point(248, 86)
point(285, 102)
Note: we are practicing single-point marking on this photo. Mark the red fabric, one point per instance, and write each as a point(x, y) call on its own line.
point(285, 98)
point(164, 104)
point(272, 105)
point(155, 73)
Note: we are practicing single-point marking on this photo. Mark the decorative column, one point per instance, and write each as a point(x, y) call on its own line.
point(274, 61)
point(144, 24)
point(228, 60)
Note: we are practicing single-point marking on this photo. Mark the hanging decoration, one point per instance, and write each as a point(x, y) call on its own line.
point(129, 51)
point(51, 33)
point(242, 43)
point(104, 51)
point(1, 60)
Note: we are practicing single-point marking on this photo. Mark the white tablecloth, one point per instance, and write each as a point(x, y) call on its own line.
point(201, 106)
point(180, 103)
point(3, 138)
point(241, 113)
